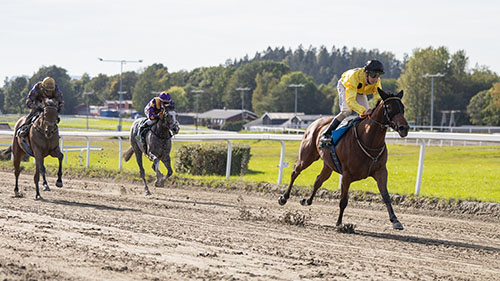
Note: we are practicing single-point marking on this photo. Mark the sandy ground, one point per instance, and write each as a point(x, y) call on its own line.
point(97, 230)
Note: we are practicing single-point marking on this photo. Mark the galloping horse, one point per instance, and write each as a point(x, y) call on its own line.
point(361, 151)
point(42, 141)
point(158, 145)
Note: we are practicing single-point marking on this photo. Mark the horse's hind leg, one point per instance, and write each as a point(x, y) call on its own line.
point(326, 172)
point(306, 158)
point(138, 158)
point(381, 178)
point(18, 155)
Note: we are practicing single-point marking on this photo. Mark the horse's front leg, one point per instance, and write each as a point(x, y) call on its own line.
point(60, 157)
point(45, 184)
point(167, 163)
point(36, 177)
point(381, 178)
point(156, 168)
point(344, 196)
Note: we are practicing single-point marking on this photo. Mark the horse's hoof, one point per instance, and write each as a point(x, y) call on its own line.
point(38, 198)
point(397, 225)
point(59, 184)
point(159, 183)
point(46, 187)
point(282, 200)
point(18, 194)
point(303, 202)
point(148, 193)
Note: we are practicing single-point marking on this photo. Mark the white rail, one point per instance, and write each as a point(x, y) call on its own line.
point(420, 138)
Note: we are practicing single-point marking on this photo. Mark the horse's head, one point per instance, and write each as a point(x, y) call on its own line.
point(50, 116)
point(394, 110)
point(170, 120)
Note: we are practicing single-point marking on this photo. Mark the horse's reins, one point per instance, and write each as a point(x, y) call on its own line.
point(364, 147)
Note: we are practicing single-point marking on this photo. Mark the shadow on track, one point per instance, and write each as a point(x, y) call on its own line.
point(424, 241)
point(87, 205)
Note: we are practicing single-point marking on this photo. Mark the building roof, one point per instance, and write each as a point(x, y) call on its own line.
point(223, 113)
point(282, 115)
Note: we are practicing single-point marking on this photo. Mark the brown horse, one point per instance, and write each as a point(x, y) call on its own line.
point(42, 140)
point(361, 151)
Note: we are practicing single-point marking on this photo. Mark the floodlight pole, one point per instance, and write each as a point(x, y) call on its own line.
point(296, 86)
point(120, 92)
point(242, 90)
point(432, 93)
point(197, 96)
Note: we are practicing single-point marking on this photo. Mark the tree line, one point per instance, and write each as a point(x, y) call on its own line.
point(263, 82)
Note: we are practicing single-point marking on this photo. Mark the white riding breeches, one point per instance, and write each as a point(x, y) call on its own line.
point(345, 110)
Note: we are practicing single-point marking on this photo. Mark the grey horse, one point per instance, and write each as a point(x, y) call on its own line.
point(158, 143)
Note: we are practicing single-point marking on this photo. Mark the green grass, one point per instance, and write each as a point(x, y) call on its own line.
point(471, 173)
point(69, 123)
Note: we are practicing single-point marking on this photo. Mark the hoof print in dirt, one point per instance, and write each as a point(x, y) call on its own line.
point(346, 228)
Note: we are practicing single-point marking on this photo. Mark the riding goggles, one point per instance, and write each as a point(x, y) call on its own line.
point(374, 74)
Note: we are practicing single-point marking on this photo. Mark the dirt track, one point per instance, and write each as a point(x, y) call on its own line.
point(94, 230)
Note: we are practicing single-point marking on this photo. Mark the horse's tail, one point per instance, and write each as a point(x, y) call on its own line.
point(128, 154)
point(5, 153)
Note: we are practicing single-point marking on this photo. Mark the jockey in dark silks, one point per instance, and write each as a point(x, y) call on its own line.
point(154, 110)
point(40, 91)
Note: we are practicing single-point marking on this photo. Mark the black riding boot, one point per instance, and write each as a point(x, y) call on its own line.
point(326, 138)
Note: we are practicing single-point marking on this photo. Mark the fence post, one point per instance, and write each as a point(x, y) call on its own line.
point(420, 166)
point(228, 163)
point(120, 154)
point(88, 152)
point(282, 158)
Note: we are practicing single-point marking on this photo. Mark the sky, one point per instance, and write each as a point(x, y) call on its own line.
point(186, 34)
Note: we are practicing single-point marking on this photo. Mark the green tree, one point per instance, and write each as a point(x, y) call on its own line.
point(63, 81)
point(153, 79)
point(417, 88)
point(129, 79)
point(484, 108)
point(2, 100)
point(179, 97)
point(15, 96)
point(245, 77)
point(99, 86)
point(309, 99)
point(331, 97)
point(261, 98)
point(79, 87)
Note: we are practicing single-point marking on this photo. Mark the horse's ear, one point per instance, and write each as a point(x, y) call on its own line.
point(400, 94)
point(382, 94)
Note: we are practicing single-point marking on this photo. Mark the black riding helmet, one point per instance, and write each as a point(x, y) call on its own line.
point(374, 66)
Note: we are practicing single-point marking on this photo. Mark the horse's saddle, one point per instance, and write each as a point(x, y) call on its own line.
point(337, 134)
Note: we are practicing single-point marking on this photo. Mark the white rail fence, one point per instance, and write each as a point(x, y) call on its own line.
point(419, 137)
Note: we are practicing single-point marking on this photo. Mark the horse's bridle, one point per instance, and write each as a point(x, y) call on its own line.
point(51, 126)
point(388, 122)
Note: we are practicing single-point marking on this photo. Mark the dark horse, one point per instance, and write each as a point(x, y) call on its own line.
point(361, 151)
point(158, 145)
point(42, 141)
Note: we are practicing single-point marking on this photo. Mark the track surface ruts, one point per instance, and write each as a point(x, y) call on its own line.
point(98, 230)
